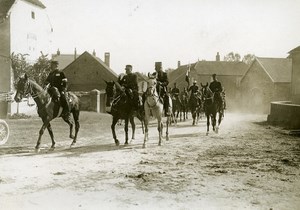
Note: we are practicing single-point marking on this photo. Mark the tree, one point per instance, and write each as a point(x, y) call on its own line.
point(247, 59)
point(19, 65)
point(41, 69)
point(230, 57)
point(38, 71)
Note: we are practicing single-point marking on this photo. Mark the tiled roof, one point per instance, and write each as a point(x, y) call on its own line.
point(5, 5)
point(63, 60)
point(179, 74)
point(278, 69)
point(297, 49)
point(221, 68)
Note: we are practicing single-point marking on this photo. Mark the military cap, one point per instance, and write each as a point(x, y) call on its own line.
point(128, 66)
point(214, 75)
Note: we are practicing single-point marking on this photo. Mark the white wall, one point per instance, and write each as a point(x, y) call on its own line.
point(28, 35)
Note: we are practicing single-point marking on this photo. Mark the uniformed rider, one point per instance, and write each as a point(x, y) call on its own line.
point(57, 78)
point(162, 83)
point(130, 83)
point(216, 87)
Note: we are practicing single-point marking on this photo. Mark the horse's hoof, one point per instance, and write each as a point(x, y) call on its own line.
point(37, 150)
point(167, 138)
point(117, 142)
point(72, 137)
point(144, 146)
point(52, 149)
point(207, 133)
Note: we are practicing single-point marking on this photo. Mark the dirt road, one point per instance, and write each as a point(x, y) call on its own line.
point(248, 165)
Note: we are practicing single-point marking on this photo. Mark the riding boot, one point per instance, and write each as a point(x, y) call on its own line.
point(65, 104)
point(166, 106)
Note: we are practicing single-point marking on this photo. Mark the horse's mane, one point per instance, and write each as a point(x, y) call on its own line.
point(38, 88)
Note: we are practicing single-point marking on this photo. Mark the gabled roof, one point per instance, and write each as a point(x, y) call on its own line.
point(5, 5)
point(278, 69)
point(63, 60)
point(222, 68)
point(97, 59)
point(179, 74)
point(297, 49)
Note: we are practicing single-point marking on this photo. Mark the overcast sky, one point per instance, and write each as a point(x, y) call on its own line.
point(140, 32)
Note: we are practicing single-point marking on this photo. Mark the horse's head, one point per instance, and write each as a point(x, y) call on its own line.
point(23, 88)
point(205, 91)
point(151, 85)
point(110, 88)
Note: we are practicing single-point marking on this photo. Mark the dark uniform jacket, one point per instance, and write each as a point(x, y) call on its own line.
point(130, 81)
point(162, 78)
point(175, 92)
point(193, 88)
point(57, 79)
point(215, 86)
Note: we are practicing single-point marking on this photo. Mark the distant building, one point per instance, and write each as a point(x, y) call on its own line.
point(266, 80)
point(228, 73)
point(88, 72)
point(295, 56)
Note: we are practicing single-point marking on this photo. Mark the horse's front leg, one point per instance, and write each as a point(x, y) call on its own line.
point(133, 127)
point(113, 125)
point(126, 131)
point(49, 128)
point(159, 128)
point(44, 126)
point(167, 130)
point(207, 124)
point(146, 122)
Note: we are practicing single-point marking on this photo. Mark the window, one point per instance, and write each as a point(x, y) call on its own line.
point(32, 15)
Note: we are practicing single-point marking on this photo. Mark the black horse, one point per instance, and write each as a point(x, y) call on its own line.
point(195, 106)
point(184, 107)
point(212, 107)
point(121, 108)
point(48, 108)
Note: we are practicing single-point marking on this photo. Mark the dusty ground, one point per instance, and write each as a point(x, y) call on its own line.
point(248, 165)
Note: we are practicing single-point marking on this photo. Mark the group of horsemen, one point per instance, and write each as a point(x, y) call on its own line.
point(129, 85)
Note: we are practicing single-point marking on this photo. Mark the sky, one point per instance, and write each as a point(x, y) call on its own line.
point(141, 32)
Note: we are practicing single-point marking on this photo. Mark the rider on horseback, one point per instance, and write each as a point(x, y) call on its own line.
point(57, 79)
point(130, 84)
point(162, 83)
point(216, 87)
point(194, 90)
point(175, 92)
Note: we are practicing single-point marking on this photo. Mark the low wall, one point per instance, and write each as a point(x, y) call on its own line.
point(91, 101)
point(285, 113)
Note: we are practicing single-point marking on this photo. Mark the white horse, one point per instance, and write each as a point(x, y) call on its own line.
point(153, 105)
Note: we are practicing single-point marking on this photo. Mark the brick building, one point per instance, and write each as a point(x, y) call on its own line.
point(266, 80)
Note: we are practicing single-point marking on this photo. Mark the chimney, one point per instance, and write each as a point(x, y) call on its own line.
point(75, 54)
point(94, 52)
point(107, 58)
point(218, 57)
point(178, 64)
point(58, 52)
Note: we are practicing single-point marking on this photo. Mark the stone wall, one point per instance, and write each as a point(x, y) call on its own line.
point(92, 101)
point(286, 114)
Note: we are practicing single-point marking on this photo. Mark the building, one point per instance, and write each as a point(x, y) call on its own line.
point(228, 73)
point(295, 90)
point(88, 72)
point(266, 80)
point(24, 28)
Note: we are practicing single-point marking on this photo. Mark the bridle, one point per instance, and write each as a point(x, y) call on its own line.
point(151, 92)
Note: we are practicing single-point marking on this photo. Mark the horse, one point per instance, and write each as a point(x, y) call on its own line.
point(153, 106)
point(121, 108)
point(48, 108)
point(211, 108)
point(195, 106)
point(176, 107)
point(184, 107)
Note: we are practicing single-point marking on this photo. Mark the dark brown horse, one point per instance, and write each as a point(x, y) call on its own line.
point(212, 107)
point(48, 109)
point(121, 108)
